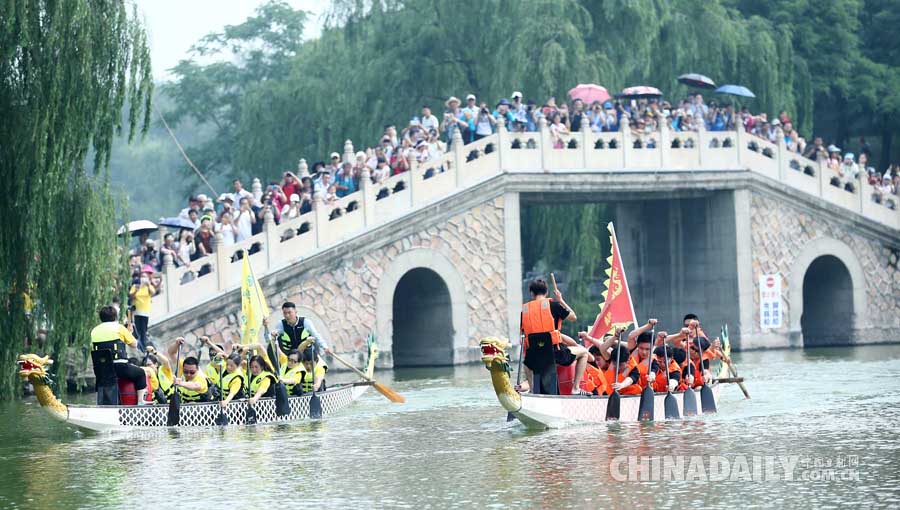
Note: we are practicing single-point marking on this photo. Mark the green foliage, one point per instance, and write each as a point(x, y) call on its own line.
point(66, 71)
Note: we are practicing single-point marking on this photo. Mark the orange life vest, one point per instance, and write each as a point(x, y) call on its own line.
point(660, 384)
point(537, 318)
point(642, 369)
point(610, 374)
point(594, 379)
point(698, 375)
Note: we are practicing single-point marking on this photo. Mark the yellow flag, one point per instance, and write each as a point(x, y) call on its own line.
point(253, 305)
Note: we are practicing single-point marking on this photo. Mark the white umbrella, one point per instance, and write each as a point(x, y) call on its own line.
point(138, 227)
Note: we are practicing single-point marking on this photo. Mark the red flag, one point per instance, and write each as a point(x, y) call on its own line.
point(617, 309)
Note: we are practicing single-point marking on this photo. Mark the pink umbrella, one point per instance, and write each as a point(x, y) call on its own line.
point(589, 93)
point(640, 91)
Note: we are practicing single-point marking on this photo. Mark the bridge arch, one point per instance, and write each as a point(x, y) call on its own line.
point(827, 295)
point(423, 289)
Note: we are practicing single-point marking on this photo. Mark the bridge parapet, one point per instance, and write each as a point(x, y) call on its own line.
point(466, 166)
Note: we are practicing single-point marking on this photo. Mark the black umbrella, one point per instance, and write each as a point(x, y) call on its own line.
point(176, 222)
point(698, 81)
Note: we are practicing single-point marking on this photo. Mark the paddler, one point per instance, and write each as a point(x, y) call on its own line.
point(109, 334)
point(215, 366)
point(646, 328)
point(658, 380)
point(159, 369)
point(641, 353)
point(541, 318)
point(627, 381)
point(696, 375)
point(292, 373)
point(262, 379)
point(192, 384)
point(594, 381)
point(234, 379)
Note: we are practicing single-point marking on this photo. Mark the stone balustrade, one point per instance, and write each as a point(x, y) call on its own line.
point(465, 166)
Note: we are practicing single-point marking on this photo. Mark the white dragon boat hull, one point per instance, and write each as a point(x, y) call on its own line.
point(554, 411)
point(203, 415)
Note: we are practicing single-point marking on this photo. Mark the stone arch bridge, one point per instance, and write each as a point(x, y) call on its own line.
point(431, 259)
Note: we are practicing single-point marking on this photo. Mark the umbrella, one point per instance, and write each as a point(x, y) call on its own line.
point(138, 227)
point(640, 91)
point(589, 93)
point(697, 81)
point(735, 90)
point(176, 222)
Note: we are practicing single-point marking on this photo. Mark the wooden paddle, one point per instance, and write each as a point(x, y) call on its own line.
point(250, 418)
point(729, 380)
point(315, 403)
point(222, 418)
point(509, 415)
point(614, 404)
point(690, 399)
point(174, 416)
point(707, 399)
point(671, 405)
point(388, 393)
point(282, 404)
point(645, 411)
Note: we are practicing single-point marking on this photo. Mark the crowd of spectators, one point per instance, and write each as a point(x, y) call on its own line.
point(240, 213)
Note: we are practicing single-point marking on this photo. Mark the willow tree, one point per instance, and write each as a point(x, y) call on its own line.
point(67, 69)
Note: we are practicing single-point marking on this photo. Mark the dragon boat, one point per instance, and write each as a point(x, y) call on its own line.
point(115, 418)
point(558, 411)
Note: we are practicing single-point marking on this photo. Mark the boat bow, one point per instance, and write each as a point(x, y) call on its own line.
point(493, 355)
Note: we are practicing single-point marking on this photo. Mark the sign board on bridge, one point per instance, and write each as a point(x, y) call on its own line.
point(770, 301)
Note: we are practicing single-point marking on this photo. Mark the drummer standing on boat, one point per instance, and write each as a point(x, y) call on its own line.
point(293, 330)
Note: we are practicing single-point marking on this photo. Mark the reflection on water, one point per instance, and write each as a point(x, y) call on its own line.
point(450, 446)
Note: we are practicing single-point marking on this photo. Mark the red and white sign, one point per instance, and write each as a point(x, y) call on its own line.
point(770, 305)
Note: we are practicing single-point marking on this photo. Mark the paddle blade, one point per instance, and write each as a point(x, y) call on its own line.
point(510, 417)
point(174, 416)
point(390, 394)
point(222, 419)
point(645, 411)
point(250, 418)
point(613, 406)
point(707, 399)
point(315, 407)
point(690, 402)
point(282, 405)
point(671, 407)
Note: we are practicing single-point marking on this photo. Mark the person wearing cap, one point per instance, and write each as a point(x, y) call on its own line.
point(471, 114)
point(334, 164)
point(849, 168)
point(454, 118)
point(140, 295)
point(422, 154)
point(429, 121)
point(502, 110)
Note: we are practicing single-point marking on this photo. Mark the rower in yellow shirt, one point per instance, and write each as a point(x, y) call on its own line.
point(192, 384)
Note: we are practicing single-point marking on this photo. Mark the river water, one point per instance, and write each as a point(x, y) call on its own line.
point(450, 446)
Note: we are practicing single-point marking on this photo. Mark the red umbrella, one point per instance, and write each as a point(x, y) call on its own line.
point(589, 93)
point(641, 91)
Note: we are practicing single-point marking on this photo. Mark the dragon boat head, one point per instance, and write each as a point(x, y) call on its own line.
point(493, 353)
point(32, 366)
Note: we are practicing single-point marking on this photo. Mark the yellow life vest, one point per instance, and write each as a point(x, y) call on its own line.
point(258, 379)
point(309, 378)
point(231, 376)
point(212, 371)
point(293, 374)
point(191, 395)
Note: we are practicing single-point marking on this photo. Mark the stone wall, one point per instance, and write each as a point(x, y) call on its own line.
point(341, 295)
point(785, 238)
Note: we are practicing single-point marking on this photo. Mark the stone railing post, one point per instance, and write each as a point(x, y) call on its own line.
point(272, 241)
point(222, 261)
point(740, 140)
point(321, 219)
point(546, 143)
point(171, 282)
point(824, 176)
point(586, 145)
point(368, 195)
point(625, 129)
point(665, 146)
point(782, 153)
point(302, 169)
point(702, 143)
point(458, 144)
point(256, 187)
point(862, 187)
point(413, 187)
point(503, 144)
point(349, 157)
point(459, 160)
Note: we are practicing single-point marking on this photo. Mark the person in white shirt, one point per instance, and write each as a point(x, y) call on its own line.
point(322, 184)
point(244, 219)
point(239, 192)
point(227, 229)
point(429, 121)
point(291, 210)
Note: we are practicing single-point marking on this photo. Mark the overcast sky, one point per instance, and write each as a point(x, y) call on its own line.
point(175, 25)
